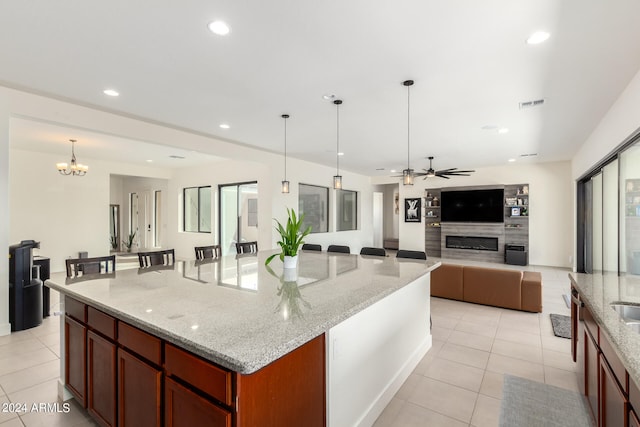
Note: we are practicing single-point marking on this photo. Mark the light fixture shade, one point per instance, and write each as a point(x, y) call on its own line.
point(285, 187)
point(337, 182)
point(407, 177)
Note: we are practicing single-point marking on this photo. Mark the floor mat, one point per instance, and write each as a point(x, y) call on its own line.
point(561, 325)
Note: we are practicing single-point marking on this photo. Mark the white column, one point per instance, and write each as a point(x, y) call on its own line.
point(5, 326)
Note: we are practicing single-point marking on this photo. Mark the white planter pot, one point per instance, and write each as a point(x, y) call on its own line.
point(291, 261)
point(290, 274)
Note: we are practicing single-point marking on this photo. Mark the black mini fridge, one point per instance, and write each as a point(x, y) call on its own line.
point(25, 287)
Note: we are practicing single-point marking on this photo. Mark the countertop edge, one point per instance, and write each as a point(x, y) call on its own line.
point(222, 359)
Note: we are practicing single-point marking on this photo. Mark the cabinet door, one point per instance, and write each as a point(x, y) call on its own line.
point(184, 408)
point(101, 379)
point(575, 304)
point(591, 362)
point(75, 351)
point(613, 403)
point(633, 419)
point(139, 392)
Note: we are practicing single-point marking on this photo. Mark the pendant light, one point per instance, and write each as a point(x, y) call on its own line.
point(407, 174)
point(337, 179)
point(285, 183)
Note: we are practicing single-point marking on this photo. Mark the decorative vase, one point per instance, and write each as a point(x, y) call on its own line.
point(290, 275)
point(290, 261)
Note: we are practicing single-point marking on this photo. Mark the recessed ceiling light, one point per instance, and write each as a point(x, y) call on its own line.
point(224, 126)
point(148, 310)
point(538, 37)
point(110, 92)
point(393, 171)
point(219, 27)
point(149, 161)
point(512, 160)
point(503, 130)
point(194, 327)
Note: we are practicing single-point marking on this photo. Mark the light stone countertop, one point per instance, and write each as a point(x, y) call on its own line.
point(236, 313)
point(598, 291)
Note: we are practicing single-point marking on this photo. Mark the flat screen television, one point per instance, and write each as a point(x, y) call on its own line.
point(473, 206)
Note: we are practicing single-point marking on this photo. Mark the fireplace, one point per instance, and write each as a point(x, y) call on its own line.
point(472, 242)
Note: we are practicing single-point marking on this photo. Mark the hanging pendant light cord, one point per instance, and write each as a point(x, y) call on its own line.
point(408, 124)
point(285, 148)
point(337, 139)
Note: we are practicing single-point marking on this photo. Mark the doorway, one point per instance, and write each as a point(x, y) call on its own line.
point(238, 214)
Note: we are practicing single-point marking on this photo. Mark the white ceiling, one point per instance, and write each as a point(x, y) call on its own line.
point(468, 58)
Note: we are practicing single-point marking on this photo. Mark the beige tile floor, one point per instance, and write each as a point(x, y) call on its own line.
point(458, 383)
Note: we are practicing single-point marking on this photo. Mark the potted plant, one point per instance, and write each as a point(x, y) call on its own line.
point(129, 242)
point(290, 239)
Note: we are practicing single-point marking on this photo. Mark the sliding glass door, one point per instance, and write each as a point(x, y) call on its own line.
point(238, 215)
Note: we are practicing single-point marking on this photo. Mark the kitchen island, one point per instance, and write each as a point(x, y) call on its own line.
point(331, 343)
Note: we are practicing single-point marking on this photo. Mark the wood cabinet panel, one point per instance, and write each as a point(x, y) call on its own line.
point(288, 392)
point(101, 322)
point(75, 367)
point(140, 342)
point(590, 324)
point(75, 309)
point(619, 372)
point(101, 379)
point(633, 419)
point(184, 408)
point(203, 375)
point(139, 392)
point(591, 368)
point(613, 403)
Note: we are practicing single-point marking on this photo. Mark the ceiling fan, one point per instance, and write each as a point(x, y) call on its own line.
point(430, 173)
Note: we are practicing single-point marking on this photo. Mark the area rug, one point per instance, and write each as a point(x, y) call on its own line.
point(561, 325)
point(528, 403)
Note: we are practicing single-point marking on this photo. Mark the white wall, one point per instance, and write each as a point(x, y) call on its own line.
point(5, 326)
point(550, 215)
point(620, 122)
point(66, 214)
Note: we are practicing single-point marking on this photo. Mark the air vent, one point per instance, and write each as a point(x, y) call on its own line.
point(173, 156)
point(531, 104)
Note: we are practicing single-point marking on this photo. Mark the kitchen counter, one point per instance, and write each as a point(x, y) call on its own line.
point(236, 312)
point(598, 291)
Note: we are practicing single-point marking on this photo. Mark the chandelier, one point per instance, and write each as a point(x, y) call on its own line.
point(74, 168)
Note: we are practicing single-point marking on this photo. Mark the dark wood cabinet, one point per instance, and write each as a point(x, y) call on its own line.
point(127, 377)
point(75, 351)
point(101, 379)
point(613, 402)
point(185, 408)
point(139, 392)
point(633, 419)
point(591, 368)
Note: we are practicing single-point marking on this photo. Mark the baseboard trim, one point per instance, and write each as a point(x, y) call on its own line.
point(5, 329)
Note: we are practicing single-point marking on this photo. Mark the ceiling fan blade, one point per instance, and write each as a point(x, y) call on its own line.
point(446, 170)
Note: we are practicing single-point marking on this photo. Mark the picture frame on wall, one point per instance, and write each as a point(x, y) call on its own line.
point(413, 210)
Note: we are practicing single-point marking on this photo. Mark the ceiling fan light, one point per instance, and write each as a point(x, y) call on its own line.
point(431, 173)
point(407, 177)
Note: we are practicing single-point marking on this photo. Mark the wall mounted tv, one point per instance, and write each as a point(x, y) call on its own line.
point(473, 205)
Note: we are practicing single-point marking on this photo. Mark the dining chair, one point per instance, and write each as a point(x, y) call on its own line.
point(207, 252)
point(246, 247)
point(164, 257)
point(96, 265)
point(339, 248)
point(311, 247)
point(411, 254)
point(373, 251)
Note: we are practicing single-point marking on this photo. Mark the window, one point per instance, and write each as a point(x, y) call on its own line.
point(197, 209)
point(313, 202)
point(346, 210)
